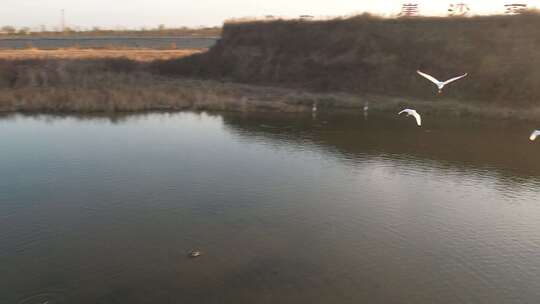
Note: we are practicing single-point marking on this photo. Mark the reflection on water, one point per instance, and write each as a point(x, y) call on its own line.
point(287, 209)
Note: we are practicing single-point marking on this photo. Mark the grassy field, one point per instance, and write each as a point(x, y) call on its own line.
point(97, 32)
point(76, 53)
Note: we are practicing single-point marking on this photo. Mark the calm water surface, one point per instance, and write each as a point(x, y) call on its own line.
point(286, 209)
point(114, 41)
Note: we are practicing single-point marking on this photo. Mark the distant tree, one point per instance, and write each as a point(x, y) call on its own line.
point(68, 29)
point(161, 27)
point(24, 30)
point(42, 28)
point(8, 29)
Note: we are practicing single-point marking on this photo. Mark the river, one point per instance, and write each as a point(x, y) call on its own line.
point(284, 208)
point(159, 42)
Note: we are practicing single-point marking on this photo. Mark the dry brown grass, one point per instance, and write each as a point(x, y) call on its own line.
point(143, 92)
point(75, 53)
point(116, 85)
point(123, 85)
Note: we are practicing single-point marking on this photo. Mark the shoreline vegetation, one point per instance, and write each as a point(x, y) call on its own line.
point(118, 85)
point(287, 66)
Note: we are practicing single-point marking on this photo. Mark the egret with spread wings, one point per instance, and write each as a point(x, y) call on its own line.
point(440, 84)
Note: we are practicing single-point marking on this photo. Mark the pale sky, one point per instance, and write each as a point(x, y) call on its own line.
point(150, 13)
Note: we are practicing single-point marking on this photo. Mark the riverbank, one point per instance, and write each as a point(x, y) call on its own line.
point(114, 81)
point(90, 88)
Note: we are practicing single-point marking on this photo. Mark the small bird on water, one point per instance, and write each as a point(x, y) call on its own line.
point(194, 253)
point(534, 134)
point(366, 109)
point(440, 84)
point(411, 112)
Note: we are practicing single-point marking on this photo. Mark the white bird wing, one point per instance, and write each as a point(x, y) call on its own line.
point(408, 111)
point(414, 114)
point(429, 77)
point(418, 118)
point(455, 78)
point(534, 134)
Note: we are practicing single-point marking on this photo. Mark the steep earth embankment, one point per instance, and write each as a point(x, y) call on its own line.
point(370, 55)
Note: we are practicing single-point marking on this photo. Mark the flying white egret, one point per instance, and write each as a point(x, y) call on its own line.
point(440, 84)
point(534, 134)
point(411, 112)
